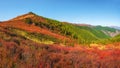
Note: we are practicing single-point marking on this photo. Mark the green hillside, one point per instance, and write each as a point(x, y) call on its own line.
point(105, 28)
point(109, 40)
point(116, 38)
point(93, 29)
point(81, 34)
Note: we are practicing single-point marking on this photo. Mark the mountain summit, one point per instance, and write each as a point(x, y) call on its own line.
point(28, 15)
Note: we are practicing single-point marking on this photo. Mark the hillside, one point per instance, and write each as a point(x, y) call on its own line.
point(19, 50)
point(60, 30)
point(108, 31)
point(32, 41)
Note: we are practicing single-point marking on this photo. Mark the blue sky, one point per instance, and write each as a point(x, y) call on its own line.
point(95, 12)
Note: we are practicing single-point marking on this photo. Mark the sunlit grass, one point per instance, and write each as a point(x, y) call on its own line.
point(32, 37)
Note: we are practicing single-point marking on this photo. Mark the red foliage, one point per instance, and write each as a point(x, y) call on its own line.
point(32, 28)
point(29, 54)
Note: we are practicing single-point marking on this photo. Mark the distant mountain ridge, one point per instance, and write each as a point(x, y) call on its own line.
point(108, 30)
point(116, 27)
point(105, 29)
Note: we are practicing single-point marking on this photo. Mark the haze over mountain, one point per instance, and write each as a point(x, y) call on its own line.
point(116, 27)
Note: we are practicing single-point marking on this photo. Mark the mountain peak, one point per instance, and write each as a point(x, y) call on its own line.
point(28, 15)
point(31, 13)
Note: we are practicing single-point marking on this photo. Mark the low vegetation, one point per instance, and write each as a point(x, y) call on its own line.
point(79, 47)
point(82, 34)
point(33, 55)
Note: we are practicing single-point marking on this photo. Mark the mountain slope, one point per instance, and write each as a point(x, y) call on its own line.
point(108, 31)
point(116, 38)
point(66, 32)
point(18, 51)
point(32, 41)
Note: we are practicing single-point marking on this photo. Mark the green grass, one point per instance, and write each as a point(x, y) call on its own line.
point(39, 38)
